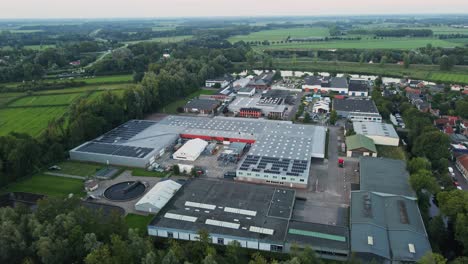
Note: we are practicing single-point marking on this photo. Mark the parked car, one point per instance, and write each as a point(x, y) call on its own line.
point(450, 169)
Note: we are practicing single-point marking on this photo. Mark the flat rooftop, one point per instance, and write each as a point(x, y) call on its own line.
point(355, 105)
point(244, 209)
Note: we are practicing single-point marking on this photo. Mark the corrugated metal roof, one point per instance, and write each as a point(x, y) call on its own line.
point(317, 235)
point(360, 141)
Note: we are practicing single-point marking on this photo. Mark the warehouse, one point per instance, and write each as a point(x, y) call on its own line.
point(156, 198)
point(258, 217)
point(280, 154)
point(381, 133)
point(385, 221)
point(190, 150)
point(243, 106)
point(359, 109)
point(137, 143)
point(202, 106)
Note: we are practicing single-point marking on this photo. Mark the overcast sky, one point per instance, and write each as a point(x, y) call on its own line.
point(200, 8)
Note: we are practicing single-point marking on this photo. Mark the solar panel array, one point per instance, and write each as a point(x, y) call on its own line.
point(116, 150)
point(272, 165)
point(125, 131)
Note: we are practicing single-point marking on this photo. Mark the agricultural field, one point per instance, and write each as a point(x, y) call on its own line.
point(6, 98)
point(386, 43)
point(46, 100)
point(78, 168)
point(282, 34)
point(108, 79)
point(87, 88)
point(172, 107)
point(450, 77)
point(29, 120)
point(47, 185)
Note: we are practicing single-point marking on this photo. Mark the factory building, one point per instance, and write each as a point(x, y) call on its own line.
point(357, 109)
point(280, 151)
point(257, 216)
point(385, 221)
point(381, 133)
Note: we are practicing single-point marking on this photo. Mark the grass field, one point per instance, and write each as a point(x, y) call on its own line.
point(47, 185)
point(450, 77)
point(79, 168)
point(138, 221)
point(108, 79)
point(282, 34)
point(172, 107)
point(87, 88)
point(146, 173)
point(387, 43)
point(6, 98)
point(41, 100)
point(31, 120)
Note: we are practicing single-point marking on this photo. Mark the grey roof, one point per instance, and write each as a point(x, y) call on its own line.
point(245, 90)
point(202, 104)
point(355, 105)
point(393, 222)
point(273, 209)
point(375, 129)
point(312, 80)
point(339, 82)
point(384, 176)
point(358, 86)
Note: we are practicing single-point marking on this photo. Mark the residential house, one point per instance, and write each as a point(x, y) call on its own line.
point(416, 84)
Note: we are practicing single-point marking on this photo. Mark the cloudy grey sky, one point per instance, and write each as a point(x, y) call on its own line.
point(200, 8)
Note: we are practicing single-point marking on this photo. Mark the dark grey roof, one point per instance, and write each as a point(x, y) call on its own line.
point(312, 80)
point(202, 104)
point(355, 105)
point(339, 82)
point(385, 176)
point(114, 149)
point(358, 86)
point(392, 221)
point(273, 207)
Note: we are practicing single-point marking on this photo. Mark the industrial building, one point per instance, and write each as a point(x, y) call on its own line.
point(358, 88)
point(280, 151)
point(223, 81)
point(246, 91)
point(257, 216)
point(156, 198)
point(251, 106)
point(202, 106)
point(385, 222)
point(191, 150)
point(357, 109)
point(381, 133)
point(326, 84)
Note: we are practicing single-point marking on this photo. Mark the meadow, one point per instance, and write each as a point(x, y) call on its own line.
point(79, 168)
point(366, 43)
point(29, 120)
point(282, 34)
point(47, 185)
point(450, 77)
point(46, 100)
point(162, 39)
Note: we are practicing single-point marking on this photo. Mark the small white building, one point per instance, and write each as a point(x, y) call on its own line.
point(381, 133)
point(321, 106)
point(246, 91)
point(190, 150)
point(155, 199)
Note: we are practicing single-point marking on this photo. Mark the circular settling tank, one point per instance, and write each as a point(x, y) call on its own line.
point(124, 191)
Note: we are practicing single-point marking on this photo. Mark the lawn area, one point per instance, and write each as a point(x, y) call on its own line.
point(172, 107)
point(87, 88)
point(391, 152)
point(79, 168)
point(146, 173)
point(386, 43)
point(28, 120)
point(450, 77)
point(43, 100)
point(282, 34)
point(47, 185)
point(138, 221)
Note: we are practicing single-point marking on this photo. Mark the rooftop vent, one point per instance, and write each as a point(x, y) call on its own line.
point(370, 240)
point(411, 248)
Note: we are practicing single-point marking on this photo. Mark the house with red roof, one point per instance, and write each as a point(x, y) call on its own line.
point(462, 165)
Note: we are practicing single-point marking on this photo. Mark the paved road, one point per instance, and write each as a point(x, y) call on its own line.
point(294, 108)
point(461, 180)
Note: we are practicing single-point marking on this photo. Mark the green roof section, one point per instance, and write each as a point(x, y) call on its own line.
point(317, 235)
point(360, 141)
